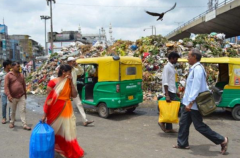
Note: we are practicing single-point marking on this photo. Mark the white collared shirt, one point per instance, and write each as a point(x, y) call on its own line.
point(76, 70)
point(196, 83)
point(169, 78)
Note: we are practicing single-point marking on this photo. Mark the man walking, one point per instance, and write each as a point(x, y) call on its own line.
point(196, 83)
point(169, 86)
point(24, 70)
point(77, 70)
point(7, 67)
point(15, 89)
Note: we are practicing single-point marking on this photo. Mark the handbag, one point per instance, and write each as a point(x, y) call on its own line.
point(205, 102)
point(168, 111)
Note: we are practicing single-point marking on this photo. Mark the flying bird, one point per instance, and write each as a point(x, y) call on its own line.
point(162, 14)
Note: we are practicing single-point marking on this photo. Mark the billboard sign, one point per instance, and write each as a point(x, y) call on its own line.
point(210, 16)
point(3, 29)
point(67, 36)
point(62, 37)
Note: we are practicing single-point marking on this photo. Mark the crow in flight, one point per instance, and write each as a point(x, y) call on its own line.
point(162, 14)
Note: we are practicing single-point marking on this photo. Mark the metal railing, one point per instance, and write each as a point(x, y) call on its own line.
point(225, 2)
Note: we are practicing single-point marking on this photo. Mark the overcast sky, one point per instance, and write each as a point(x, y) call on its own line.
point(126, 16)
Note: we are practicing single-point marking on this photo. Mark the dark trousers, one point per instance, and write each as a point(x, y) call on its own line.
point(24, 73)
point(173, 98)
point(194, 116)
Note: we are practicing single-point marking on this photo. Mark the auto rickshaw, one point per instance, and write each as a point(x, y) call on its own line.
point(226, 91)
point(111, 83)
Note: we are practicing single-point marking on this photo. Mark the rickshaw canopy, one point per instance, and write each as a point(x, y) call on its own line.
point(108, 68)
point(219, 60)
point(233, 68)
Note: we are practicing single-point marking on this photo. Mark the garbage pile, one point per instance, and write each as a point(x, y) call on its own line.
point(211, 45)
point(153, 51)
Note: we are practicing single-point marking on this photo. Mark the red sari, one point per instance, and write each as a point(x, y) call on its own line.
point(60, 117)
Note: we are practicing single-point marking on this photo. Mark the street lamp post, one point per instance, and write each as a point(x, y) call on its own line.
point(151, 27)
point(45, 18)
point(51, 22)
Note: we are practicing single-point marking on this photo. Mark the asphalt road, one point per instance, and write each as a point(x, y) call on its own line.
point(123, 135)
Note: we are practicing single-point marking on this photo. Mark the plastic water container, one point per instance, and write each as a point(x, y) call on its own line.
point(42, 141)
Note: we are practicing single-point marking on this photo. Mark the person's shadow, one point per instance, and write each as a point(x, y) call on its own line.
point(203, 150)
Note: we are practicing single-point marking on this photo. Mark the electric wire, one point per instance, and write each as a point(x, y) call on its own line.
point(115, 6)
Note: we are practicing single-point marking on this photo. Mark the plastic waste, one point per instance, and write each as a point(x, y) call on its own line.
point(192, 36)
point(133, 47)
point(221, 36)
point(213, 34)
point(42, 141)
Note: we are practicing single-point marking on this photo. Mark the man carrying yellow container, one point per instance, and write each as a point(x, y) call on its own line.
point(169, 86)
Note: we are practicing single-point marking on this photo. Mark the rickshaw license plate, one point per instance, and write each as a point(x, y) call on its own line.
point(130, 97)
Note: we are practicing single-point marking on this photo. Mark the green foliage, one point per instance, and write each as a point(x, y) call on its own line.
point(232, 52)
point(53, 55)
point(200, 39)
point(28, 79)
point(185, 40)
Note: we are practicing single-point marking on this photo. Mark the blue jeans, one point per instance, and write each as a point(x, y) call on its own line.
point(4, 105)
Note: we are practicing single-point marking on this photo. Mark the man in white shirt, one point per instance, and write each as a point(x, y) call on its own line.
point(29, 69)
point(196, 83)
point(7, 66)
point(169, 86)
point(77, 70)
point(24, 70)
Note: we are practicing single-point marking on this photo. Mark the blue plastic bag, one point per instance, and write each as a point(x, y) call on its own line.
point(42, 141)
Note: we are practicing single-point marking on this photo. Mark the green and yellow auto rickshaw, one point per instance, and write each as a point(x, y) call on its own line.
point(111, 83)
point(226, 91)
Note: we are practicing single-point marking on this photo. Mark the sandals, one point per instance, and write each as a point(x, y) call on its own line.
point(224, 147)
point(162, 126)
point(4, 121)
point(87, 123)
point(25, 127)
point(11, 125)
point(178, 147)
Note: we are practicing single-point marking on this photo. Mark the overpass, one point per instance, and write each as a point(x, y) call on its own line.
point(225, 18)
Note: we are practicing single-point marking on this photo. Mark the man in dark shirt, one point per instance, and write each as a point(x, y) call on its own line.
point(15, 89)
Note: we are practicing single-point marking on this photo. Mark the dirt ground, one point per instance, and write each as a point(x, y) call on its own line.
point(123, 135)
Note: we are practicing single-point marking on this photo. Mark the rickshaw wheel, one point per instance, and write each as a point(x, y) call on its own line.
point(236, 112)
point(103, 111)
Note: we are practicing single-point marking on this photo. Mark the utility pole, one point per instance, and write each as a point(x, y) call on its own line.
point(45, 19)
point(110, 33)
point(51, 22)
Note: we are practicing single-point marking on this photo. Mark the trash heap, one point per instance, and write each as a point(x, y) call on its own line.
point(37, 81)
point(153, 51)
point(210, 45)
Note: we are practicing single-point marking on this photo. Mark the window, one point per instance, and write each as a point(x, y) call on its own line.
point(131, 71)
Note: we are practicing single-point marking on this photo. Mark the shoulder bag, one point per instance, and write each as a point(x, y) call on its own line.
point(205, 102)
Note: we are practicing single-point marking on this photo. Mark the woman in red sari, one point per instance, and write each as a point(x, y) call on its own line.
point(59, 113)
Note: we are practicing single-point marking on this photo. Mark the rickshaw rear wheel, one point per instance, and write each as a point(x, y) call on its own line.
point(236, 112)
point(131, 110)
point(103, 111)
